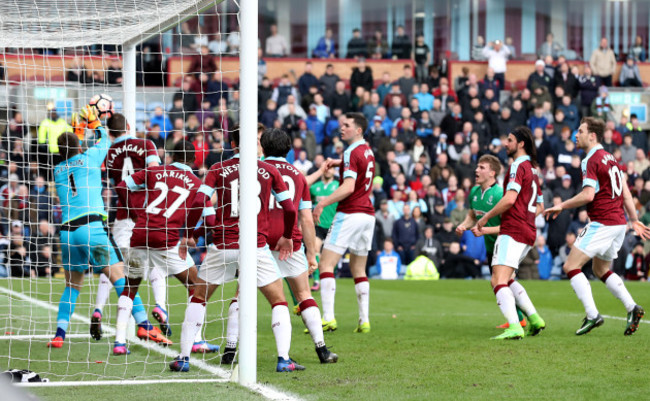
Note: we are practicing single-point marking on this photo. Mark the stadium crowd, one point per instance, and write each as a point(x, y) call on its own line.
point(427, 134)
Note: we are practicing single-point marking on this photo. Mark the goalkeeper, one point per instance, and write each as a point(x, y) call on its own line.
point(84, 237)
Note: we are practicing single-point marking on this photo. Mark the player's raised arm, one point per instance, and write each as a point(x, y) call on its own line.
point(98, 152)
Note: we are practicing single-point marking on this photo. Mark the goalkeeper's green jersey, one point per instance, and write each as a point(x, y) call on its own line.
point(319, 191)
point(481, 202)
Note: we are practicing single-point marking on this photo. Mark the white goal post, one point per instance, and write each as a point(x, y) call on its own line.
point(47, 24)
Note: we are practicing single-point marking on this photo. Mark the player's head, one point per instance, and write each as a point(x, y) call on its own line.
point(590, 132)
point(117, 125)
point(184, 152)
point(487, 169)
point(275, 143)
point(234, 137)
point(69, 145)
point(354, 126)
point(521, 140)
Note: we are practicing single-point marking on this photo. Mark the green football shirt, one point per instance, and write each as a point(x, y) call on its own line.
point(481, 202)
point(320, 191)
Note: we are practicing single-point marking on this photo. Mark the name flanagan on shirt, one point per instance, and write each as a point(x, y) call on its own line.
point(128, 147)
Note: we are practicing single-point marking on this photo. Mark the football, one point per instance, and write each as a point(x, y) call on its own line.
point(104, 105)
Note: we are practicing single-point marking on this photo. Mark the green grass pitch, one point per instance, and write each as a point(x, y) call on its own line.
point(429, 340)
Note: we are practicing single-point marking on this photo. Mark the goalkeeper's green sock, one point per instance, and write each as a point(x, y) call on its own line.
point(293, 297)
point(520, 314)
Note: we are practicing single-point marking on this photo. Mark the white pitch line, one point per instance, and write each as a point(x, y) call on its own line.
point(117, 382)
point(264, 390)
point(40, 336)
point(624, 319)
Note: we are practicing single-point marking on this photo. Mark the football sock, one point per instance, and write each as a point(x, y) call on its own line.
point(362, 288)
point(281, 325)
point(139, 313)
point(582, 288)
point(194, 316)
point(617, 288)
point(521, 298)
point(232, 327)
point(520, 314)
point(103, 291)
point(316, 275)
point(311, 317)
point(506, 302)
point(327, 293)
point(66, 309)
point(124, 307)
point(159, 286)
point(293, 297)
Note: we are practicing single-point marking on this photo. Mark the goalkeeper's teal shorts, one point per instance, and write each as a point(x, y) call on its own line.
point(88, 245)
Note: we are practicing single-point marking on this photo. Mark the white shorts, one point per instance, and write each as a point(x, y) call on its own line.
point(351, 231)
point(603, 242)
point(139, 261)
point(294, 266)
point(508, 252)
point(122, 231)
point(222, 266)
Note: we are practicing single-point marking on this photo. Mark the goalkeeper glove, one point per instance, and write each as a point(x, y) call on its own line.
point(78, 126)
point(89, 113)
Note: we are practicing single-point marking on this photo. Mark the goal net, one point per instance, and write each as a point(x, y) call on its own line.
point(171, 67)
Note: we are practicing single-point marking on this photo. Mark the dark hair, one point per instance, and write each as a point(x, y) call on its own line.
point(117, 125)
point(493, 161)
point(275, 142)
point(359, 120)
point(595, 125)
point(234, 135)
point(523, 134)
point(183, 152)
point(68, 145)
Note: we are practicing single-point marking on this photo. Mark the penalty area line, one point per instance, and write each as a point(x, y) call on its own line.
point(264, 390)
point(117, 382)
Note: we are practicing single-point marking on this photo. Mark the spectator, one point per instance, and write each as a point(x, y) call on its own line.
point(234, 42)
point(290, 101)
point(269, 115)
point(422, 59)
point(322, 110)
point(217, 89)
point(49, 131)
point(550, 47)
point(339, 99)
point(637, 50)
point(217, 45)
point(315, 125)
point(283, 90)
point(377, 46)
point(18, 263)
point(190, 103)
point(588, 90)
point(389, 264)
point(406, 81)
point(361, 77)
point(201, 149)
point(477, 49)
point(563, 251)
point(511, 47)
point(497, 56)
point(601, 106)
point(261, 66)
point(357, 46)
point(528, 266)
point(41, 201)
point(302, 163)
point(308, 139)
point(385, 218)
point(76, 71)
point(401, 48)
point(630, 75)
point(202, 62)
point(307, 80)
point(42, 249)
point(545, 259)
point(603, 63)
point(328, 81)
point(153, 134)
point(538, 77)
point(424, 97)
point(458, 209)
point(566, 80)
point(276, 44)
point(490, 83)
point(290, 122)
point(570, 112)
point(429, 246)
point(369, 110)
point(557, 229)
point(457, 265)
point(405, 235)
point(325, 48)
point(636, 265)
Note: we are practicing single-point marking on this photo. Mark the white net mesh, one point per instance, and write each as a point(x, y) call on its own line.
point(56, 56)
